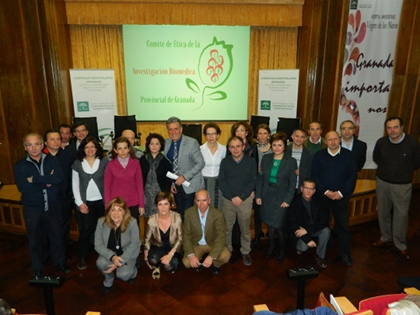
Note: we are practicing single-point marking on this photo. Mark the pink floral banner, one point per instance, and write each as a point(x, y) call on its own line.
point(368, 64)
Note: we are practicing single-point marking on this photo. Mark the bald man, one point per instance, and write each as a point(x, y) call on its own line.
point(131, 136)
point(38, 177)
point(204, 233)
point(334, 172)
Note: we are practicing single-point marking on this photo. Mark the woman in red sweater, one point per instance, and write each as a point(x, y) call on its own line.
point(123, 178)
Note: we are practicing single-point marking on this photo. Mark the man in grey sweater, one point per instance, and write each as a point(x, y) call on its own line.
point(397, 156)
point(237, 180)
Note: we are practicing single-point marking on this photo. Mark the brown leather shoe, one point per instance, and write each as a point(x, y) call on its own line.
point(381, 244)
point(404, 254)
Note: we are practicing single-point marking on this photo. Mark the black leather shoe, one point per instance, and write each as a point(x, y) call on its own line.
point(82, 264)
point(280, 258)
point(198, 269)
point(63, 268)
point(347, 260)
point(269, 253)
point(37, 274)
point(132, 280)
point(215, 270)
point(107, 289)
point(256, 239)
point(320, 261)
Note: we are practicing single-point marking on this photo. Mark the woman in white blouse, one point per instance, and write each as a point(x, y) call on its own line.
point(213, 153)
point(88, 191)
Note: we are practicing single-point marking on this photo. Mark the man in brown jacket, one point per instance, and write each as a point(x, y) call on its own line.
point(204, 233)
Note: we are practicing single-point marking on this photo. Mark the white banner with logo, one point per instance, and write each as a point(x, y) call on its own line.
point(367, 73)
point(277, 94)
point(94, 95)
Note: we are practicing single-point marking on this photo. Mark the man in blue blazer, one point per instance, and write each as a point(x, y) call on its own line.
point(350, 142)
point(188, 164)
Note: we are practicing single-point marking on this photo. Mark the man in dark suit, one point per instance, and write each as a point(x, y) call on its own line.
point(302, 155)
point(187, 162)
point(80, 132)
point(334, 172)
point(308, 222)
point(52, 141)
point(350, 142)
point(204, 233)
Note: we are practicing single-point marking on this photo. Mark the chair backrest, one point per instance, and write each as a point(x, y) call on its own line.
point(258, 120)
point(122, 123)
point(193, 131)
point(379, 304)
point(287, 125)
point(91, 125)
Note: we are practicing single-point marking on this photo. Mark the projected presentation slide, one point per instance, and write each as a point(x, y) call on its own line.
point(193, 72)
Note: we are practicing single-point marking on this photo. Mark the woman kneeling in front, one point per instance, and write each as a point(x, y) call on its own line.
point(163, 238)
point(117, 243)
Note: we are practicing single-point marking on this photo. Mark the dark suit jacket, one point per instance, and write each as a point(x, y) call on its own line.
point(299, 217)
point(71, 147)
point(305, 162)
point(215, 231)
point(359, 153)
point(190, 162)
point(152, 235)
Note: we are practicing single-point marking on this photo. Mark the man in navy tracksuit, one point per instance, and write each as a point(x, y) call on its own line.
point(38, 177)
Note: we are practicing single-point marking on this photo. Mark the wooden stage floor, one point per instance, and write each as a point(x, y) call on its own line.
point(234, 291)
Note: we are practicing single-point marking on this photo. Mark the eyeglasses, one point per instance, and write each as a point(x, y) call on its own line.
point(347, 128)
point(211, 134)
point(308, 188)
point(80, 130)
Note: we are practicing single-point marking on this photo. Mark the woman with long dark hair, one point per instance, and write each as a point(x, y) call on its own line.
point(88, 190)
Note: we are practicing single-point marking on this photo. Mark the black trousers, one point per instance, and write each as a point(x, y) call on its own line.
point(87, 225)
point(340, 210)
point(183, 200)
point(44, 225)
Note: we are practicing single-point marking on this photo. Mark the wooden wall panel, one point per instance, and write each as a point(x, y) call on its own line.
point(100, 47)
point(320, 58)
point(34, 90)
point(22, 74)
point(404, 98)
point(117, 12)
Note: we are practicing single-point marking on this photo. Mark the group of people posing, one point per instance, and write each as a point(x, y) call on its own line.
point(293, 188)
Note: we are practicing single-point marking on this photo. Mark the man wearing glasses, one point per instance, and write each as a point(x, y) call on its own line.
point(80, 132)
point(350, 142)
point(309, 223)
point(38, 177)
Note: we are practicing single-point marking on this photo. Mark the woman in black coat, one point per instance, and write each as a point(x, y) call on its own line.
point(275, 190)
point(154, 166)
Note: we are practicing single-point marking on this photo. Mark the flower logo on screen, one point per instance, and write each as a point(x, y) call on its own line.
point(214, 68)
point(355, 35)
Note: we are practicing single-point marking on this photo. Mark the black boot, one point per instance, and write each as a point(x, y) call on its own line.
point(272, 242)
